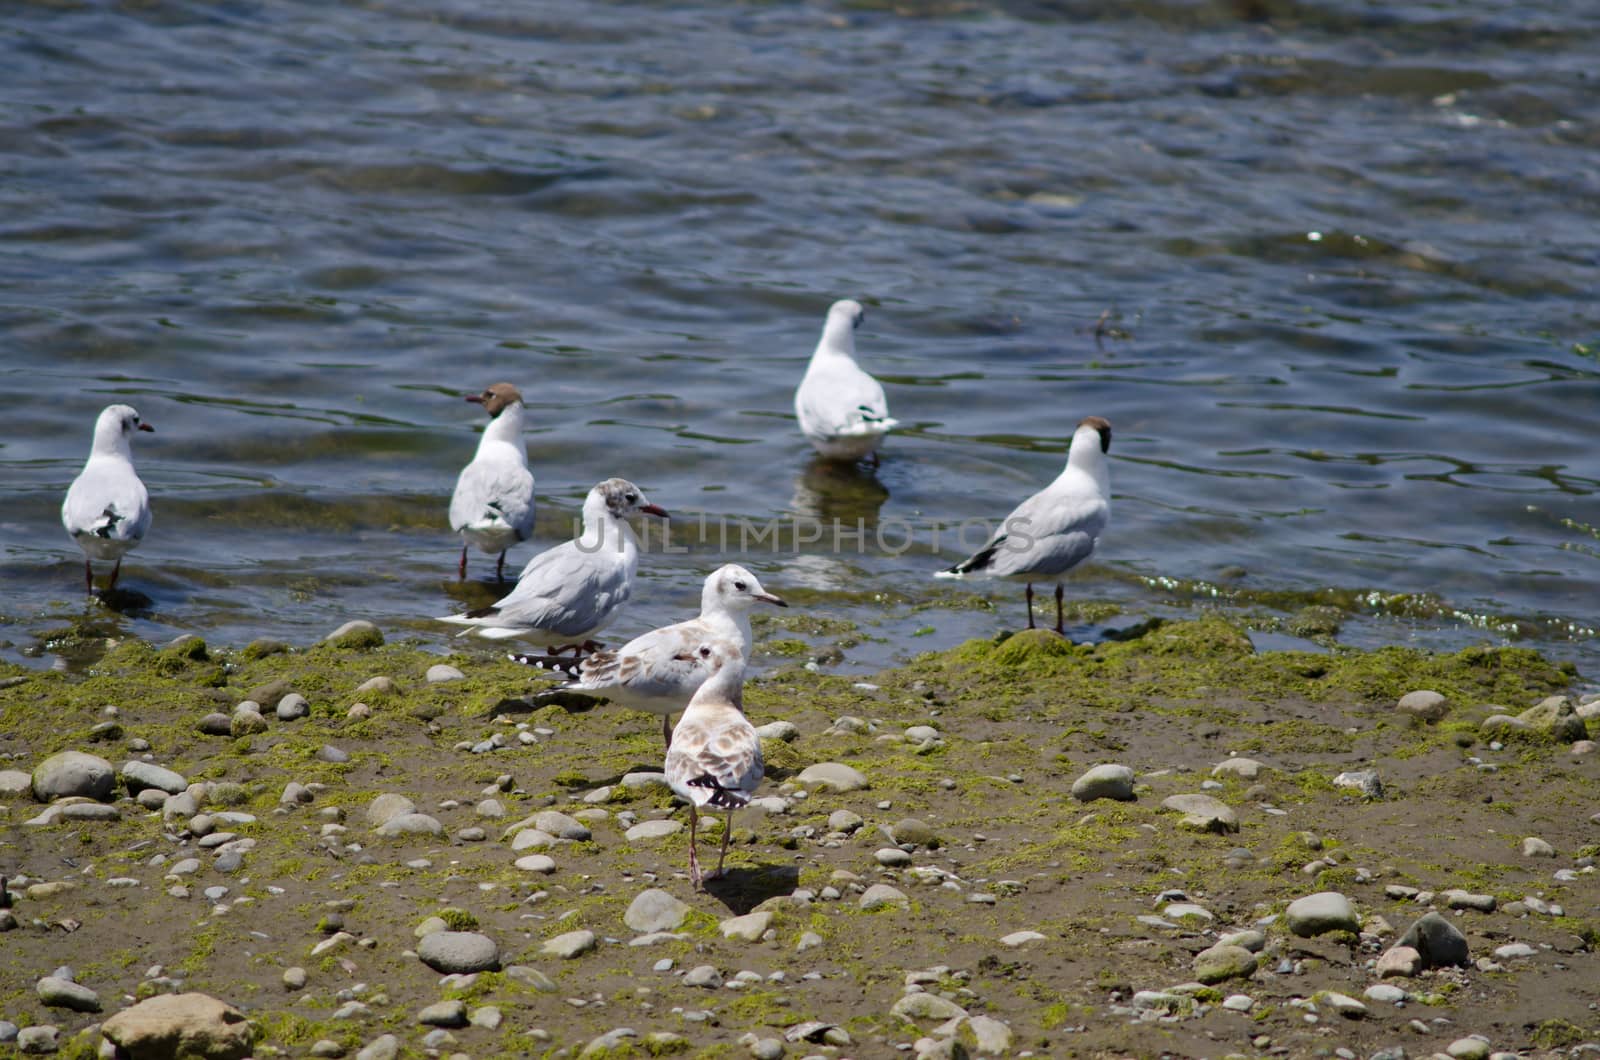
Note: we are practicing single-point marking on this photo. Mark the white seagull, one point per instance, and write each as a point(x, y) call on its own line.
point(567, 594)
point(841, 409)
point(107, 509)
point(715, 757)
point(1055, 529)
point(659, 671)
point(492, 506)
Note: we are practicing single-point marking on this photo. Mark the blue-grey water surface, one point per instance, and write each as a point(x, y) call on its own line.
point(1328, 267)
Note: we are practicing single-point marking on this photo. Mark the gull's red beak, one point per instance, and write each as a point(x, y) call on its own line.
point(653, 509)
point(476, 399)
point(146, 427)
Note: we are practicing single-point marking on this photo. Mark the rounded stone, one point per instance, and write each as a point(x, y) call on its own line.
point(386, 807)
point(1222, 962)
point(846, 821)
point(835, 776)
point(540, 863)
point(1243, 768)
point(1318, 914)
point(459, 952)
point(560, 825)
point(1107, 781)
point(73, 773)
point(139, 776)
point(410, 824)
point(1203, 813)
point(881, 895)
point(182, 1025)
point(216, 724)
point(292, 707)
point(655, 910)
point(569, 945)
point(1438, 942)
point(1534, 847)
point(747, 928)
point(1424, 705)
point(58, 992)
point(442, 672)
point(246, 723)
point(451, 1013)
point(914, 832)
point(652, 830)
point(891, 857)
point(358, 634)
point(926, 1006)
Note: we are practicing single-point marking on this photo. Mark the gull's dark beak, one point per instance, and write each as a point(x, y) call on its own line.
point(146, 427)
point(476, 399)
point(771, 599)
point(653, 509)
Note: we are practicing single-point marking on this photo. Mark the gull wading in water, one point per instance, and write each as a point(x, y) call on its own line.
point(567, 594)
point(714, 761)
point(1057, 528)
point(841, 409)
point(492, 507)
point(659, 671)
point(107, 509)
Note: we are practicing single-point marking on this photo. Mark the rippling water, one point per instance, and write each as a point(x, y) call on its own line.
point(1328, 267)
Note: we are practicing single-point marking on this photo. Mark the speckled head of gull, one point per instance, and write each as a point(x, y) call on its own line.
point(567, 594)
point(1057, 528)
point(492, 507)
point(714, 761)
point(659, 671)
point(842, 410)
point(107, 508)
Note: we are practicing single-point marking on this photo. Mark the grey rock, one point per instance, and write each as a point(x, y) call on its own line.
point(1317, 914)
point(532, 839)
point(704, 975)
point(1243, 768)
point(294, 978)
point(1534, 847)
point(892, 857)
point(330, 753)
point(439, 673)
point(1203, 813)
point(846, 821)
point(914, 832)
point(137, 776)
point(926, 1006)
point(1108, 781)
point(1343, 1004)
point(988, 1035)
point(569, 945)
point(444, 1014)
point(90, 811)
point(58, 992)
point(459, 952)
point(1385, 994)
point(184, 1025)
point(655, 910)
point(1424, 705)
point(767, 1049)
point(1250, 939)
point(1468, 1049)
point(644, 780)
point(1437, 941)
point(1366, 781)
point(489, 1017)
point(15, 783)
point(652, 830)
point(560, 825)
point(388, 806)
point(327, 1048)
point(747, 928)
point(532, 977)
point(1020, 938)
point(835, 776)
point(292, 707)
point(1455, 898)
point(8, 1030)
point(784, 731)
point(540, 863)
point(384, 1047)
point(881, 895)
point(608, 1044)
point(1557, 718)
point(381, 685)
point(1221, 963)
point(73, 773)
point(44, 1038)
point(216, 724)
point(1399, 961)
point(410, 824)
point(294, 794)
point(359, 634)
point(246, 723)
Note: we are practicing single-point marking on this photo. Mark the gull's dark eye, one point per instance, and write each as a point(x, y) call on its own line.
point(741, 586)
point(633, 498)
point(705, 651)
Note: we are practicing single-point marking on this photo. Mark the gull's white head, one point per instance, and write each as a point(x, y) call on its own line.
point(838, 334)
point(622, 498)
point(115, 426)
point(847, 311)
point(723, 662)
point(736, 589)
point(1096, 430)
point(496, 398)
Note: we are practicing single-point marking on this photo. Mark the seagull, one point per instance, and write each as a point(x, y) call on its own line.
point(659, 672)
point(567, 594)
point(1055, 529)
point(492, 507)
point(715, 757)
point(107, 509)
point(841, 409)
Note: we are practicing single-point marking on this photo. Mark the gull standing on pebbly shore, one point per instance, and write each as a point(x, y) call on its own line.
point(567, 594)
point(660, 671)
point(715, 757)
point(841, 409)
point(492, 507)
point(107, 509)
point(1057, 528)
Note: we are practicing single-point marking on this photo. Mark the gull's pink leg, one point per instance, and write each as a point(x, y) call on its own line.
point(694, 862)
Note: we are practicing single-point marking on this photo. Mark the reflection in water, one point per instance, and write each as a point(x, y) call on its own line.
point(830, 490)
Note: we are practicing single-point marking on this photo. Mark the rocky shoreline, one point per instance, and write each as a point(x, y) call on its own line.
point(1163, 844)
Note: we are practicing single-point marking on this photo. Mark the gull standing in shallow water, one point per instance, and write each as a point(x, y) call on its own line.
point(1055, 529)
point(841, 409)
point(567, 594)
point(659, 671)
point(492, 506)
point(715, 757)
point(107, 509)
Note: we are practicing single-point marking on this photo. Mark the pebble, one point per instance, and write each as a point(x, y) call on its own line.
point(1317, 914)
point(44, 1038)
point(292, 707)
point(560, 825)
point(1437, 942)
point(56, 991)
point(357, 634)
point(459, 952)
point(747, 928)
point(1344, 1005)
point(1468, 1049)
point(1513, 950)
point(1019, 938)
point(652, 830)
point(703, 975)
point(410, 824)
point(784, 731)
point(834, 776)
point(1534, 847)
point(1243, 768)
point(881, 895)
point(655, 910)
point(444, 1014)
point(540, 863)
point(73, 773)
point(1424, 705)
point(137, 776)
point(914, 832)
point(294, 978)
point(442, 672)
point(246, 723)
point(569, 945)
point(892, 856)
point(766, 1049)
point(644, 780)
point(294, 794)
point(216, 724)
point(1366, 781)
point(386, 1047)
point(532, 839)
point(1459, 899)
point(1109, 781)
point(1203, 813)
point(1222, 962)
point(1385, 994)
point(1238, 1002)
point(926, 1006)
